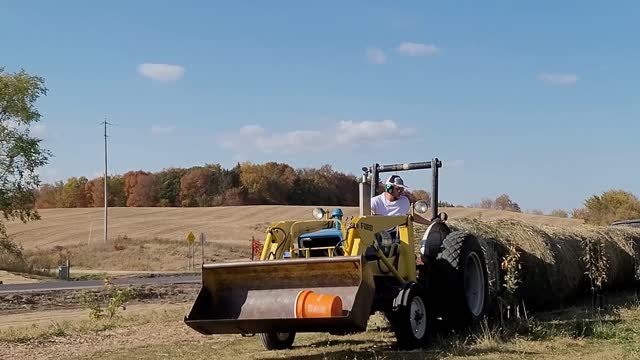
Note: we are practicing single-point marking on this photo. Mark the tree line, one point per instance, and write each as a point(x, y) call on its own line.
point(271, 183)
point(274, 183)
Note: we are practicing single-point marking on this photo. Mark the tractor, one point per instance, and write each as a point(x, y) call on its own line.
point(327, 274)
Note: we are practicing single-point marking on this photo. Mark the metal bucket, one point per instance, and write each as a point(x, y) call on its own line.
point(261, 296)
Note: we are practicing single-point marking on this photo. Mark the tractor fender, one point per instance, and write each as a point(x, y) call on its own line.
point(431, 243)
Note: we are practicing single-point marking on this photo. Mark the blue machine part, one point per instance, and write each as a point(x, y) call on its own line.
point(337, 214)
point(320, 238)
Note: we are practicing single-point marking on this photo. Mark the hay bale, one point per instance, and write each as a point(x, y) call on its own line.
point(553, 271)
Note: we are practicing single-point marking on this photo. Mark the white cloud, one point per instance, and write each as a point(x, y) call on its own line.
point(161, 72)
point(376, 55)
point(352, 134)
point(350, 131)
point(161, 130)
point(417, 49)
point(558, 79)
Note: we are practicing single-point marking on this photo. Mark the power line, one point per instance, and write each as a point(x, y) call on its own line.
point(106, 193)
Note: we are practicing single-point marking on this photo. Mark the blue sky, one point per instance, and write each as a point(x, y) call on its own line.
point(538, 100)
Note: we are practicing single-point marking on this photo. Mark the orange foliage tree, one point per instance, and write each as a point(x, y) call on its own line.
point(196, 187)
point(140, 189)
point(268, 183)
point(50, 195)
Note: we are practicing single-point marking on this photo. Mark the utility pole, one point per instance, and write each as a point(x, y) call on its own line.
point(106, 193)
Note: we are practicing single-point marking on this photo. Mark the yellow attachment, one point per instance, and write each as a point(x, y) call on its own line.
point(366, 227)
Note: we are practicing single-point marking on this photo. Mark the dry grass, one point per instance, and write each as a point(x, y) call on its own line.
point(128, 254)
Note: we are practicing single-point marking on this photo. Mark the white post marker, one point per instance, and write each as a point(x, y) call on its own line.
point(203, 237)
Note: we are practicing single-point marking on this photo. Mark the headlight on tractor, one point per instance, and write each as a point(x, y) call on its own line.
point(318, 213)
point(421, 206)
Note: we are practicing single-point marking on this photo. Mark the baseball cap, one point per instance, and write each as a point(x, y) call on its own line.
point(396, 180)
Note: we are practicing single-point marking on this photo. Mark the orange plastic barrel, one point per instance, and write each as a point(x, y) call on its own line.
point(313, 305)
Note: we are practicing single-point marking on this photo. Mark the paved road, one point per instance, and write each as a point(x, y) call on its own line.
point(93, 284)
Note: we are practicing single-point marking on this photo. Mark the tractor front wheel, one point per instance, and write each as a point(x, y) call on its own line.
point(409, 318)
point(277, 341)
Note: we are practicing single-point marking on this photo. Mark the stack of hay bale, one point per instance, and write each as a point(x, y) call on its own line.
point(553, 269)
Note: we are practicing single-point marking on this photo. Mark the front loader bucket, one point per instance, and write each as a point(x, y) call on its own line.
point(260, 296)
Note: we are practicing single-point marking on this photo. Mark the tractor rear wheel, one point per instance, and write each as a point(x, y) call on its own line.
point(410, 318)
point(461, 272)
point(277, 341)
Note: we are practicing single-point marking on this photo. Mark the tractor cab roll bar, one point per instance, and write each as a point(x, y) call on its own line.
point(371, 176)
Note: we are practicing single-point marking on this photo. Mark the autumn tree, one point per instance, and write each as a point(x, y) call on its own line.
point(268, 183)
point(420, 194)
point(20, 153)
point(139, 186)
point(346, 187)
point(504, 202)
point(74, 194)
point(197, 187)
point(610, 206)
point(323, 186)
point(50, 196)
point(95, 190)
point(309, 188)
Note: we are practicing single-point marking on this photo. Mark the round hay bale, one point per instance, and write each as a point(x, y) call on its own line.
point(552, 267)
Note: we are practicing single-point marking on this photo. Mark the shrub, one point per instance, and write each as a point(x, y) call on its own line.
point(612, 205)
point(559, 213)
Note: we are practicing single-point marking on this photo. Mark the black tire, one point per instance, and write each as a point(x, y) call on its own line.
point(410, 319)
point(277, 341)
point(462, 277)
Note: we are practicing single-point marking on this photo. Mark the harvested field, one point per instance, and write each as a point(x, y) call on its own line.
point(65, 227)
point(153, 239)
